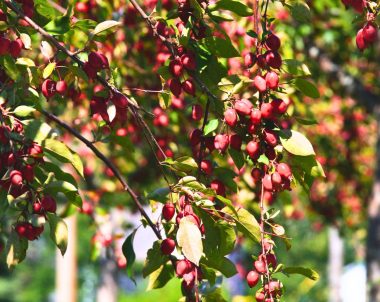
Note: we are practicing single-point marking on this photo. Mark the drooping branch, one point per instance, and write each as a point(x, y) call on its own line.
point(109, 164)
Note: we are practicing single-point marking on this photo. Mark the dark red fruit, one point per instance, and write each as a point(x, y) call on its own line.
point(48, 88)
point(28, 173)
point(188, 61)
point(273, 59)
point(273, 42)
point(195, 137)
point(256, 174)
point(168, 211)
point(270, 137)
point(167, 246)
point(120, 100)
point(360, 42)
point(197, 112)
point(15, 48)
point(236, 141)
point(189, 87)
point(276, 180)
point(176, 68)
point(370, 32)
point(279, 106)
point(49, 204)
point(175, 86)
point(206, 167)
point(4, 46)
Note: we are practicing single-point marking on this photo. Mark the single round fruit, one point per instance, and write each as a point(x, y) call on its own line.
point(61, 87)
point(195, 137)
point(167, 246)
point(49, 204)
point(176, 68)
point(284, 170)
point(272, 80)
point(243, 107)
point(270, 137)
point(253, 149)
point(230, 117)
point(189, 87)
point(267, 111)
point(168, 211)
point(175, 86)
point(260, 83)
point(267, 182)
point(260, 266)
point(206, 167)
point(16, 178)
point(256, 174)
point(273, 42)
point(252, 278)
point(273, 59)
point(360, 42)
point(250, 60)
point(256, 116)
point(370, 32)
point(48, 88)
point(188, 61)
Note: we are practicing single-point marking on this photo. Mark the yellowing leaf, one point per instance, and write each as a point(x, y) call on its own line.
point(58, 232)
point(106, 25)
point(48, 70)
point(189, 238)
point(296, 143)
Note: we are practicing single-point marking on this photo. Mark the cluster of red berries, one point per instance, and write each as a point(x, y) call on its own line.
point(263, 267)
point(18, 160)
point(11, 47)
point(366, 36)
point(184, 268)
point(96, 62)
point(177, 66)
point(185, 10)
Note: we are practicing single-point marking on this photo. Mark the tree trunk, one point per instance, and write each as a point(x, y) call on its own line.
point(66, 266)
point(373, 232)
point(336, 256)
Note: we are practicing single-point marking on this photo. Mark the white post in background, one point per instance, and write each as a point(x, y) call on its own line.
point(335, 265)
point(66, 266)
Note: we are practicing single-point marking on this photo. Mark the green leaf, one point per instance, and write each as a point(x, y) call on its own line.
point(105, 26)
point(296, 143)
point(308, 164)
point(214, 296)
point(44, 9)
point(160, 195)
point(160, 277)
point(185, 164)
point(58, 26)
point(246, 223)
point(189, 238)
point(295, 67)
point(85, 24)
point(236, 7)
point(15, 249)
point(58, 232)
point(306, 121)
point(237, 157)
point(263, 159)
point(221, 47)
point(60, 151)
point(307, 88)
point(23, 111)
point(301, 12)
point(128, 252)
point(10, 67)
point(228, 203)
point(211, 126)
point(307, 272)
point(154, 260)
point(233, 84)
point(48, 70)
point(222, 264)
